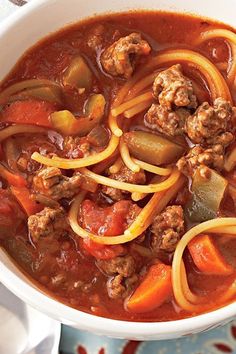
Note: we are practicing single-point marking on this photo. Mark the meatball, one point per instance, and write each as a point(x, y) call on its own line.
point(211, 125)
point(167, 229)
point(212, 157)
point(172, 88)
point(48, 222)
point(119, 59)
point(168, 122)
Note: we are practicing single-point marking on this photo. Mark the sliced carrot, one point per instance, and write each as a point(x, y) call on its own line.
point(12, 179)
point(155, 289)
point(24, 199)
point(29, 112)
point(207, 257)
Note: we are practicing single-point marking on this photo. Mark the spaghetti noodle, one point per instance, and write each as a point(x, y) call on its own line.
point(129, 187)
point(178, 270)
point(125, 175)
point(20, 129)
point(156, 204)
point(231, 38)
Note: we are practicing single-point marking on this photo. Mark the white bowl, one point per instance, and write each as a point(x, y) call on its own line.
point(17, 34)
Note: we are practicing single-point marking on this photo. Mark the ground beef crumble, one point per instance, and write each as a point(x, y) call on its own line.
point(124, 175)
point(212, 157)
point(175, 96)
point(119, 59)
point(172, 88)
point(161, 119)
point(211, 125)
point(167, 229)
point(51, 182)
point(123, 277)
point(76, 147)
point(120, 287)
point(48, 222)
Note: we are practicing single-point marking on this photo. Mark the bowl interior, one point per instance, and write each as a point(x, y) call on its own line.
point(17, 34)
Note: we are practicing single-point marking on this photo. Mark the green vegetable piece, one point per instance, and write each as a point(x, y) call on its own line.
point(151, 148)
point(67, 124)
point(78, 74)
point(64, 122)
point(23, 86)
point(45, 93)
point(99, 136)
point(207, 196)
point(95, 106)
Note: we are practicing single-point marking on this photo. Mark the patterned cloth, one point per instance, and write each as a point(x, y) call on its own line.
point(217, 341)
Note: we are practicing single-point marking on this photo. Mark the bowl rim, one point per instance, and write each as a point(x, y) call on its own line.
point(71, 316)
point(102, 325)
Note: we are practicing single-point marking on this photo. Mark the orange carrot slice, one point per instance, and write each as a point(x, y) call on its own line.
point(29, 112)
point(207, 257)
point(155, 289)
point(24, 199)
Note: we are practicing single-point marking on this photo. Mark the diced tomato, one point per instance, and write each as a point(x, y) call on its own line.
point(10, 214)
point(12, 178)
point(23, 197)
point(109, 221)
point(1, 152)
point(6, 203)
point(29, 112)
point(5, 206)
point(102, 251)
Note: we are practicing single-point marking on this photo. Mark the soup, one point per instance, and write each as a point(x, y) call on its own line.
point(118, 184)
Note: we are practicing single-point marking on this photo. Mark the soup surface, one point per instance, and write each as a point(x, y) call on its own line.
point(118, 180)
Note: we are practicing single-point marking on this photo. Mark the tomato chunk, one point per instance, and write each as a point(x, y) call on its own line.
point(23, 196)
point(29, 112)
point(108, 221)
point(102, 251)
point(10, 214)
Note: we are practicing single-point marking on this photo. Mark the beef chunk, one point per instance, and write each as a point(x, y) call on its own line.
point(175, 95)
point(122, 270)
point(124, 266)
point(52, 183)
point(211, 125)
point(165, 121)
point(48, 222)
point(172, 88)
point(212, 157)
point(95, 36)
point(119, 59)
point(120, 287)
point(124, 175)
point(76, 147)
point(167, 228)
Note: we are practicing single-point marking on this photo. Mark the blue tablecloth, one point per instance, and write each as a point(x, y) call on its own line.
point(218, 341)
